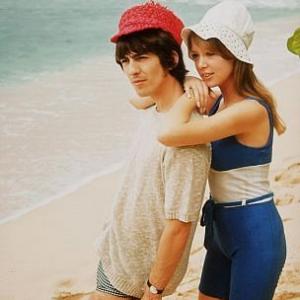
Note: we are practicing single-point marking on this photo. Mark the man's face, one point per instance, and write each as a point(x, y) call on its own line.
point(144, 72)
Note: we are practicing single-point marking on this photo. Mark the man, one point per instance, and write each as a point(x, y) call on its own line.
point(145, 247)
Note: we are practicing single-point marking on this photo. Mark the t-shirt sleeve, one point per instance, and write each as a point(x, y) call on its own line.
point(185, 175)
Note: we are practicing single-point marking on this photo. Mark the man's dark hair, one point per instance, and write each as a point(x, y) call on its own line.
point(158, 42)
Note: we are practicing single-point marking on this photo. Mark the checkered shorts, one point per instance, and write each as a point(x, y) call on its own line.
point(104, 285)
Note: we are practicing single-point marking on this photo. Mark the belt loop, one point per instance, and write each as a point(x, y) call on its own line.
point(244, 202)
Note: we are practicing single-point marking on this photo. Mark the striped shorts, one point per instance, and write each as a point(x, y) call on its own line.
point(104, 285)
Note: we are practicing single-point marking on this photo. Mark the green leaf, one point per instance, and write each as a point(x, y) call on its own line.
point(293, 43)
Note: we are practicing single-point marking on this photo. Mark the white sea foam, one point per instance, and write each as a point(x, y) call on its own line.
point(69, 189)
point(249, 3)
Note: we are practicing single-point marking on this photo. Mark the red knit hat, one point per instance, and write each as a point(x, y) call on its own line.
point(146, 16)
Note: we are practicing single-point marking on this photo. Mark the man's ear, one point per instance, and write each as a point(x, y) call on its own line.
point(175, 59)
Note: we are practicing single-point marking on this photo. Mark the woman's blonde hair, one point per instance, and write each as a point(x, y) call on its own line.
point(245, 80)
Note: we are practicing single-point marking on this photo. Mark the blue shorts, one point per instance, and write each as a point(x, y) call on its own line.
point(246, 250)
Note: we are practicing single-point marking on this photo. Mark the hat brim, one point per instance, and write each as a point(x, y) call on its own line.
point(228, 38)
point(115, 38)
point(136, 27)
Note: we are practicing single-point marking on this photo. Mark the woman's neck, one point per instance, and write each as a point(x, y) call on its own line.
point(230, 94)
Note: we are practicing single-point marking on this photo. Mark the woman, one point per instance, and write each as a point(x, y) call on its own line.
point(244, 235)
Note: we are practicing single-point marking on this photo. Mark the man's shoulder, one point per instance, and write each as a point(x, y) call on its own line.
point(198, 151)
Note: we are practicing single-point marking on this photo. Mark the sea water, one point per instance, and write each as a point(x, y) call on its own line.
point(64, 117)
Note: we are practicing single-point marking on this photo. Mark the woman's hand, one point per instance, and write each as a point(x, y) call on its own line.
point(197, 89)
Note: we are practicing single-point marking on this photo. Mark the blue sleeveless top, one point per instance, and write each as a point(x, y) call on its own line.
point(238, 171)
point(229, 153)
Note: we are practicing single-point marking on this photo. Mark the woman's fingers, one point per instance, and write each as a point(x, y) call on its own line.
point(190, 93)
point(197, 90)
point(204, 97)
point(201, 95)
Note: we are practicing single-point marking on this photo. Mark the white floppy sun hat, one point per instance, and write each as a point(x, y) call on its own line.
point(230, 23)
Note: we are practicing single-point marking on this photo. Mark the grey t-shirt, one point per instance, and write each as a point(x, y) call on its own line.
point(160, 183)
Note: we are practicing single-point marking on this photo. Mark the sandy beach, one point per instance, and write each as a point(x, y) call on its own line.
point(50, 253)
point(65, 129)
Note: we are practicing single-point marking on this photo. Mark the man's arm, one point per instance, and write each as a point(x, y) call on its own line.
point(185, 173)
point(171, 247)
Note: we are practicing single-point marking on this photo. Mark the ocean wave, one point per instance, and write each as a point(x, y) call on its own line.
point(25, 208)
point(250, 3)
point(273, 3)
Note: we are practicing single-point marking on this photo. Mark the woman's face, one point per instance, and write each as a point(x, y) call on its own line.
point(211, 66)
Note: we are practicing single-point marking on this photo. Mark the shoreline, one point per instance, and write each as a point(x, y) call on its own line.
point(41, 243)
point(28, 106)
point(117, 166)
point(69, 190)
point(50, 252)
